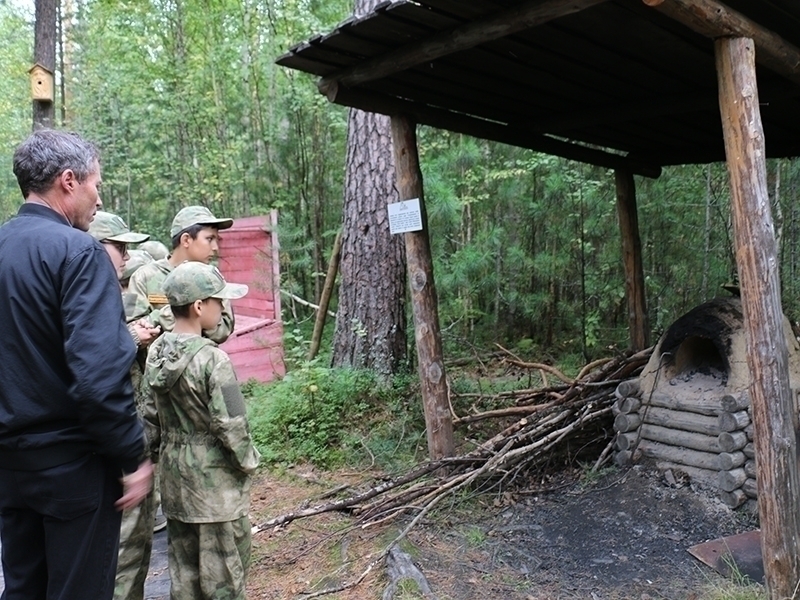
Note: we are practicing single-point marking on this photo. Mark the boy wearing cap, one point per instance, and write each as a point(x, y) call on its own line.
point(195, 237)
point(136, 531)
point(197, 428)
point(155, 249)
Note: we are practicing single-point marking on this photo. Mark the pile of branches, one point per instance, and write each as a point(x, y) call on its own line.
point(548, 422)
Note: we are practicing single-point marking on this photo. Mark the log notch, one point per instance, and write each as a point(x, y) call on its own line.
point(632, 260)
point(424, 303)
point(774, 418)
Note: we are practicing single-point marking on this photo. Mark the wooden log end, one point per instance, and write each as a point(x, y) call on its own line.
point(733, 499)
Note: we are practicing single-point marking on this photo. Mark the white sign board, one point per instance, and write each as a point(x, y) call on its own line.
point(405, 216)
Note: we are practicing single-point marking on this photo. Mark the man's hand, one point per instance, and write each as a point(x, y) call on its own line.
point(135, 486)
point(146, 331)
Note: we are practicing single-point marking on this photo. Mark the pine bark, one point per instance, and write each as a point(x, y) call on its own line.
point(44, 53)
point(370, 318)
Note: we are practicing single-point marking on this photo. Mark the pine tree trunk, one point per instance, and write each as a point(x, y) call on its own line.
point(44, 53)
point(370, 317)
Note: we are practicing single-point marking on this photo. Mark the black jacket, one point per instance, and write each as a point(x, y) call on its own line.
point(65, 352)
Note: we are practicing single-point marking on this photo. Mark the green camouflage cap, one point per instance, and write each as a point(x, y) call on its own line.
point(107, 226)
point(192, 280)
point(155, 249)
point(196, 215)
point(138, 258)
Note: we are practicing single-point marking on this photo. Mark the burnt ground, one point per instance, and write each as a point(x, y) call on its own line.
point(624, 534)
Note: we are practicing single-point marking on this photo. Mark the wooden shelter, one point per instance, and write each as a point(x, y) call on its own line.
point(630, 85)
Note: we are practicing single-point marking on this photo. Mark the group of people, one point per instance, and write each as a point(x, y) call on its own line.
point(109, 364)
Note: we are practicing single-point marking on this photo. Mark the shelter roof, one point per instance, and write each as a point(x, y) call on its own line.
point(611, 82)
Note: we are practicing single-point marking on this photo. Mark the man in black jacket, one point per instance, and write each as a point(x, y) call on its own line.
point(70, 440)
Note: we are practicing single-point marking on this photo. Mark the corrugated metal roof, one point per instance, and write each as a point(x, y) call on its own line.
point(617, 75)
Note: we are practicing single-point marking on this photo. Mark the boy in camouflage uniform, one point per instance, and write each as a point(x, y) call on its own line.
point(197, 429)
point(195, 236)
point(136, 537)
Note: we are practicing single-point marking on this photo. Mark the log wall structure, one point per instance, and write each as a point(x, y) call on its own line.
point(710, 435)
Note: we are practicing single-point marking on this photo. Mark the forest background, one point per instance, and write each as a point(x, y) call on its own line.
point(186, 103)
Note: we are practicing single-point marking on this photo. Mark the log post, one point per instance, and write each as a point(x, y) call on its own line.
point(774, 420)
point(438, 420)
point(325, 298)
point(632, 260)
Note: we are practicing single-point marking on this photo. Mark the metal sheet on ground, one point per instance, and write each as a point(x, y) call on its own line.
point(739, 554)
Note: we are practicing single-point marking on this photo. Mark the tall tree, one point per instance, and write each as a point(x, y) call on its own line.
point(371, 319)
point(44, 53)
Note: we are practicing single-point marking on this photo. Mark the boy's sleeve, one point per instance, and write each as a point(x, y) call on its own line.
point(136, 303)
point(228, 415)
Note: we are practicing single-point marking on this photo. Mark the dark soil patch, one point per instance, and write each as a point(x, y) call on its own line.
point(625, 535)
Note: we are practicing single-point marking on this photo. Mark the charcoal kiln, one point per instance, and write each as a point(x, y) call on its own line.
point(689, 410)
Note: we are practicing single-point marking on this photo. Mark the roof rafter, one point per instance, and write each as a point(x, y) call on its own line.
point(376, 102)
point(507, 22)
point(714, 19)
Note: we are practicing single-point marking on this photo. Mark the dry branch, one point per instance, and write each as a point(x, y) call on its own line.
point(556, 421)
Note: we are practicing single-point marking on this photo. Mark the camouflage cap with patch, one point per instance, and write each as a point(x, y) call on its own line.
point(109, 227)
point(192, 280)
point(196, 215)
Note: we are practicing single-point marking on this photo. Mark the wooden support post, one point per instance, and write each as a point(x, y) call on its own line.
point(438, 419)
point(775, 421)
point(632, 260)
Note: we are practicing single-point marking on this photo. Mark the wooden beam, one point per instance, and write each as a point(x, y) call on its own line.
point(632, 260)
point(774, 418)
point(519, 18)
point(424, 303)
point(714, 19)
point(480, 128)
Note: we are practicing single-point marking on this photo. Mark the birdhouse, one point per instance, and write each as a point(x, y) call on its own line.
point(42, 83)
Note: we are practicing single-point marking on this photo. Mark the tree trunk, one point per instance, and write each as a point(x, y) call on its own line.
point(774, 418)
point(370, 318)
point(44, 53)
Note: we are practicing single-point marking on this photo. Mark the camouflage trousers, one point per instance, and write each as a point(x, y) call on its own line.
point(208, 561)
point(135, 547)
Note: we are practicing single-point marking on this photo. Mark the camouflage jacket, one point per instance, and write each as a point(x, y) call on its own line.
point(145, 298)
point(197, 430)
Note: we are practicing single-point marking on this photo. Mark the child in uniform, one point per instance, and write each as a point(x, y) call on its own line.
point(196, 419)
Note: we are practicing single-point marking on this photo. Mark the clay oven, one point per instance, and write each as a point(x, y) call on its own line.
point(690, 408)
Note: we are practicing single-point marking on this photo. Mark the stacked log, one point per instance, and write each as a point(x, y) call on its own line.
point(705, 437)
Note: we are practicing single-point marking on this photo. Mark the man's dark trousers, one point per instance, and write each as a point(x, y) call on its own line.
point(60, 531)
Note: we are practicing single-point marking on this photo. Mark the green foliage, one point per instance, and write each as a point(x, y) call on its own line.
point(188, 106)
point(322, 416)
point(16, 48)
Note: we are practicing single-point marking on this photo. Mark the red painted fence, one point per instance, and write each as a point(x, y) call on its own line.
point(248, 253)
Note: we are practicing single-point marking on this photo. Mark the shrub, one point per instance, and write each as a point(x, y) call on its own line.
point(317, 414)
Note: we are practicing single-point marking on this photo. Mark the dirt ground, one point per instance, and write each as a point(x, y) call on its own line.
point(623, 535)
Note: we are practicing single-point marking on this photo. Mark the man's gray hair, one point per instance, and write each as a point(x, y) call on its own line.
point(47, 153)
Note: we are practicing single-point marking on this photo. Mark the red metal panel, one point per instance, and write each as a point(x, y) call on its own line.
point(248, 255)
